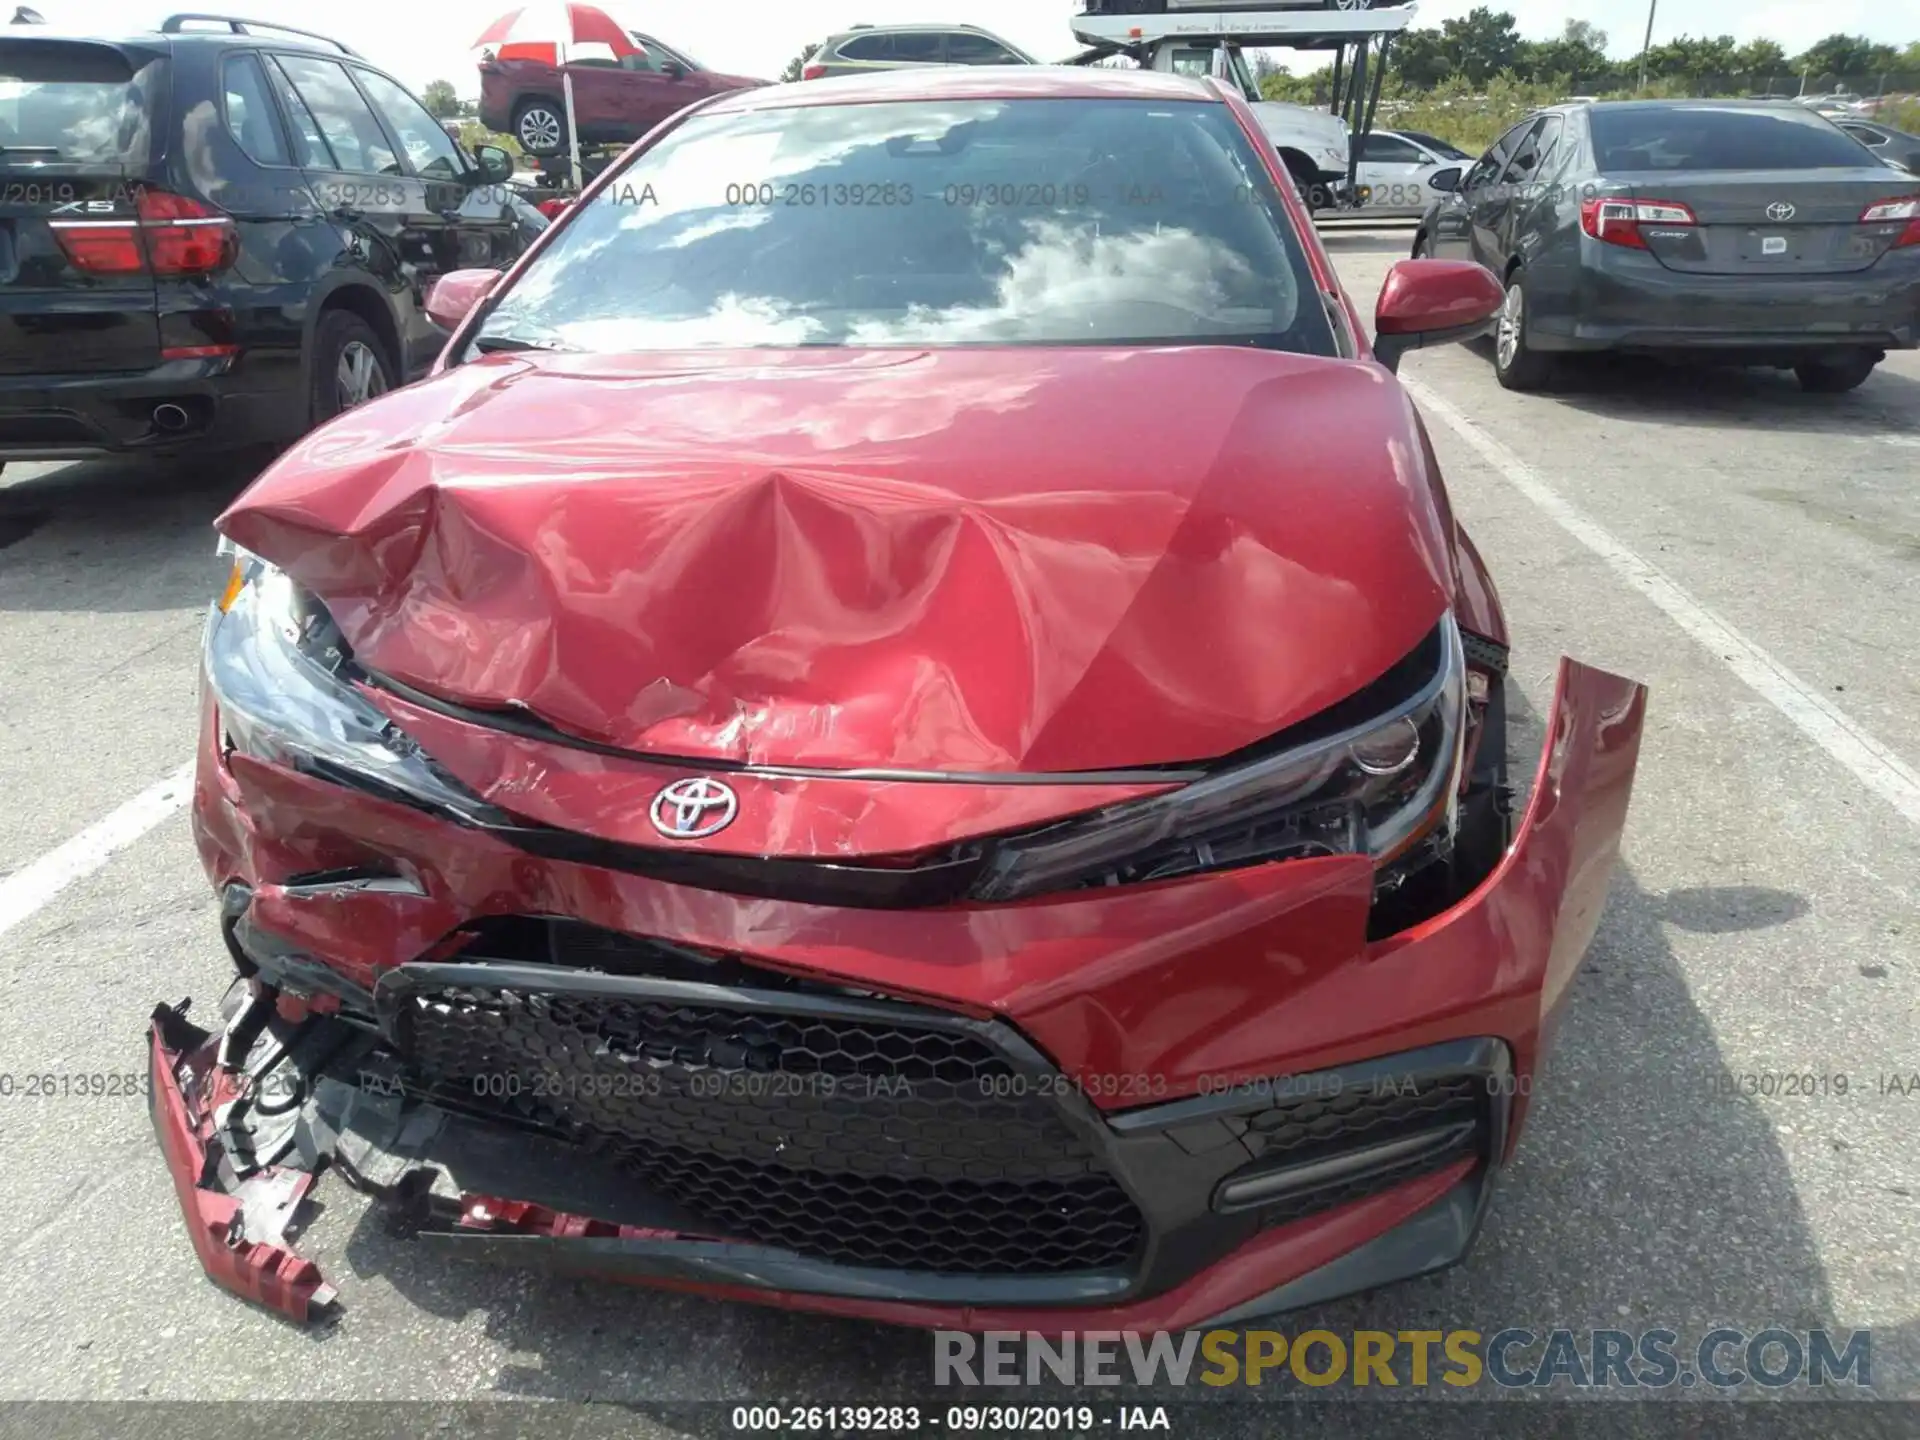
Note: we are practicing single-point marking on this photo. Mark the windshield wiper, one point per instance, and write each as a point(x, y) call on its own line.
point(53, 150)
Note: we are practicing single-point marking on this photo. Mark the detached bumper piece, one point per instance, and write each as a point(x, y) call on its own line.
point(238, 1211)
point(672, 1119)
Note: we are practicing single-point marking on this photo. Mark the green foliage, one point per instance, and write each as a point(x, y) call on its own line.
point(440, 100)
point(1840, 55)
point(797, 64)
point(1313, 88)
point(473, 133)
point(1901, 115)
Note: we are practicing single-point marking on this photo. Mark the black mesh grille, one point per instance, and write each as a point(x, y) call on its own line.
point(1308, 1128)
point(864, 1140)
point(1300, 1130)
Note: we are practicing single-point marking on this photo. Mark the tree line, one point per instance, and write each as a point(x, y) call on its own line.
point(1485, 43)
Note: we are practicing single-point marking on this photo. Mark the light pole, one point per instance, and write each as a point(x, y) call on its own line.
point(1647, 44)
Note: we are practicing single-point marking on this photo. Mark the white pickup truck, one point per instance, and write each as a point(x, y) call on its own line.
point(1315, 145)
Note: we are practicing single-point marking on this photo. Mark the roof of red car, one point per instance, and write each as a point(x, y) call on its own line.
point(971, 82)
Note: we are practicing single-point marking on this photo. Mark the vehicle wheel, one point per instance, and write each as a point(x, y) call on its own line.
point(1517, 365)
point(1834, 377)
point(350, 365)
point(541, 127)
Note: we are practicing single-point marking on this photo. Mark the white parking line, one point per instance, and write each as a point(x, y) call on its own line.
point(1818, 718)
point(30, 888)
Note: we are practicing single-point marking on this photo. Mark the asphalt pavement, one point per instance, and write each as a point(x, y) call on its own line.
point(1751, 552)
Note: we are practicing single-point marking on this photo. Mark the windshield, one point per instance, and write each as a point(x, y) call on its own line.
point(1005, 222)
point(72, 101)
point(1783, 137)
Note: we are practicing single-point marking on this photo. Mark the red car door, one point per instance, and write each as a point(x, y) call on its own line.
point(600, 101)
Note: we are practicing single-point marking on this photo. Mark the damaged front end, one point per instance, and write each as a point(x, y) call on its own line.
point(994, 1034)
point(1146, 1106)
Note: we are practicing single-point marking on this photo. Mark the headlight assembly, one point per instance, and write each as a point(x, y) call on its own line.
point(1377, 787)
point(277, 665)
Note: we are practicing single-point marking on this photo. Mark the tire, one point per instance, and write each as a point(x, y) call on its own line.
point(1517, 365)
point(350, 365)
point(1836, 377)
point(540, 126)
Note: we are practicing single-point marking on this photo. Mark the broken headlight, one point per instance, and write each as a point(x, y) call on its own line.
point(1380, 786)
point(278, 667)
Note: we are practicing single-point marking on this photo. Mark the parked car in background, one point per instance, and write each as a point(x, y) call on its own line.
point(1730, 230)
point(867, 48)
point(219, 237)
point(1396, 170)
point(1446, 149)
point(1896, 147)
point(615, 101)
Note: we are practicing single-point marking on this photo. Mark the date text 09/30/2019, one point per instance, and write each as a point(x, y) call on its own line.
point(959, 1419)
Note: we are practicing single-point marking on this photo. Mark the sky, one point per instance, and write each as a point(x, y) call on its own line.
point(419, 42)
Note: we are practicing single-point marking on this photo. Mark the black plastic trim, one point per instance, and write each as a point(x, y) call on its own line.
point(764, 1268)
point(1274, 1183)
point(1435, 1239)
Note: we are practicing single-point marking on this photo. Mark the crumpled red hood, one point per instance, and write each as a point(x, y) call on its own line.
point(958, 560)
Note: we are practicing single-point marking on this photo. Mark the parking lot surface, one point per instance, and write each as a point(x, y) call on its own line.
point(1750, 551)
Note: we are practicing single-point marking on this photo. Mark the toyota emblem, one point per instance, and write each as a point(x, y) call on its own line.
point(694, 808)
point(1780, 210)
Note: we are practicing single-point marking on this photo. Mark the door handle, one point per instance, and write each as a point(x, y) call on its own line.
point(348, 212)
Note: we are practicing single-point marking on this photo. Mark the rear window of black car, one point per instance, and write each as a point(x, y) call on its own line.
point(993, 222)
point(1761, 137)
point(68, 100)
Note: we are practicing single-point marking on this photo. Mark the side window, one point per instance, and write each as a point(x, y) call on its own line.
point(309, 145)
point(922, 47)
point(1487, 168)
point(250, 118)
point(1549, 152)
point(867, 47)
point(658, 51)
point(1189, 61)
point(352, 133)
point(428, 146)
point(1865, 136)
point(1390, 150)
point(1525, 162)
point(966, 48)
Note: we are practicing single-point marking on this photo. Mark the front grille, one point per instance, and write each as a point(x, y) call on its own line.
point(844, 1130)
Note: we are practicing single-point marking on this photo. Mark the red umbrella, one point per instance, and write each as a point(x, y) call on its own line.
point(547, 29)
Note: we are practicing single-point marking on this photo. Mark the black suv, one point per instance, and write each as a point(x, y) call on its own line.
point(217, 237)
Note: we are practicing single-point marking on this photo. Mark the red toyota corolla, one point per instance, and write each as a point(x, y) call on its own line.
point(904, 728)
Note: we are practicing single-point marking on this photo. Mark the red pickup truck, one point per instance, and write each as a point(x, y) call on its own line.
point(614, 101)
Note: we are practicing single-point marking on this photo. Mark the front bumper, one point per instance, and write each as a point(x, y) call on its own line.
point(1148, 1108)
point(1630, 301)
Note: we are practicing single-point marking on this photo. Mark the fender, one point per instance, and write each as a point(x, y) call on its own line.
point(331, 285)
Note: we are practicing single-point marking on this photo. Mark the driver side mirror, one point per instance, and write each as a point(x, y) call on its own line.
point(455, 293)
point(496, 165)
point(1432, 302)
point(672, 69)
point(1447, 180)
